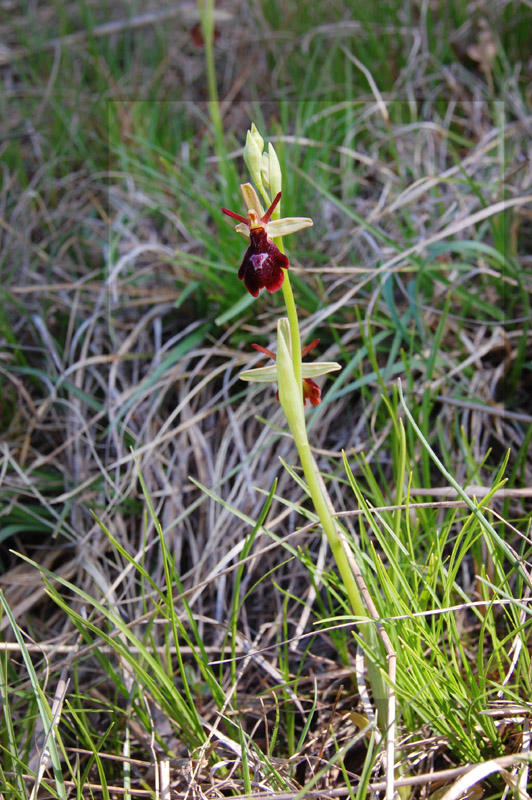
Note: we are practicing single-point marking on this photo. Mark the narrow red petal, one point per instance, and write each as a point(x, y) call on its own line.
point(266, 217)
point(264, 350)
point(306, 350)
point(234, 215)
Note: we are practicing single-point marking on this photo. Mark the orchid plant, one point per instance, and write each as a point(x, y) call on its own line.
point(266, 266)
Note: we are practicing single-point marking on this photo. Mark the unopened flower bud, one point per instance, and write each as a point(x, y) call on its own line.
point(253, 154)
point(265, 171)
point(257, 138)
point(275, 178)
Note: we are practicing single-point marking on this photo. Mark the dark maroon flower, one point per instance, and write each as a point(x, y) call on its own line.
point(196, 34)
point(263, 263)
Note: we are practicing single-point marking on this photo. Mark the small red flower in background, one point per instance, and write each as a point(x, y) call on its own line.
point(196, 35)
point(196, 31)
point(263, 263)
point(311, 390)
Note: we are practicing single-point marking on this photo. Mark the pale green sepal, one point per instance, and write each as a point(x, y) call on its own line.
point(242, 228)
point(286, 225)
point(251, 199)
point(314, 370)
point(279, 227)
point(290, 394)
point(269, 374)
point(261, 374)
point(265, 171)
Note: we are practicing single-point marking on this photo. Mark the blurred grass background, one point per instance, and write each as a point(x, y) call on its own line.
point(404, 132)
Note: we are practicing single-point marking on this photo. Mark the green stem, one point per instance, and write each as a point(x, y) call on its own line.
point(329, 526)
point(291, 313)
point(206, 14)
point(299, 432)
point(291, 397)
point(290, 388)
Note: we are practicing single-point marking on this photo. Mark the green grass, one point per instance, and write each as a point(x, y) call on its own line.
point(167, 594)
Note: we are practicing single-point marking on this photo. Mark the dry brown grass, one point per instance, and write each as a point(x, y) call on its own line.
point(89, 399)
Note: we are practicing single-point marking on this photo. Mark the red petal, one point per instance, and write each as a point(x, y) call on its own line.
point(233, 214)
point(264, 350)
point(197, 35)
point(266, 217)
point(306, 350)
point(311, 392)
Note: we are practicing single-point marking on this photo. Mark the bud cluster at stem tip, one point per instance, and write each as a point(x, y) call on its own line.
point(263, 167)
point(264, 264)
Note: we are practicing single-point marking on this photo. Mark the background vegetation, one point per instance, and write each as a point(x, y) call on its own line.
point(171, 622)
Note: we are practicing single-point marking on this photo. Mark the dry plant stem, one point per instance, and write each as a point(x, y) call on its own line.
point(206, 14)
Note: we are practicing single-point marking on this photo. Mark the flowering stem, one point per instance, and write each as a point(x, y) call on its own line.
point(206, 15)
point(297, 423)
point(329, 526)
point(265, 172)
point(290, 389)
